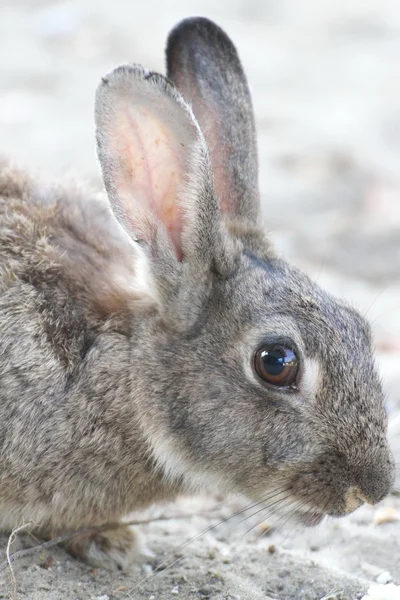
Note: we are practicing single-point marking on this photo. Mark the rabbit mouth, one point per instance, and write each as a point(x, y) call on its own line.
point(309, 517)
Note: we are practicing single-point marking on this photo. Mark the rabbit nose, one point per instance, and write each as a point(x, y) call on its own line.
point(374, 484)
point(361, 498)
point(357, 496)
point(373, 498)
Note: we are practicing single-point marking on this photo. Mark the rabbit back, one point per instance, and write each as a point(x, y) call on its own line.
point(65, 358)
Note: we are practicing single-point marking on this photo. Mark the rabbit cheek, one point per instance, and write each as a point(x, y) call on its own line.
point(320, 490)
point(284, 448)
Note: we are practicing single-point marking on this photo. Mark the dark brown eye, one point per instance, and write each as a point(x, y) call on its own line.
point(277, 365)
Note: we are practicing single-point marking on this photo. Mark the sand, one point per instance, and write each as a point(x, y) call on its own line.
point(325, 81)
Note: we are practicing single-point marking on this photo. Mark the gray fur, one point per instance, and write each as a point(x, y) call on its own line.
point(204, 65)
point(121, 387)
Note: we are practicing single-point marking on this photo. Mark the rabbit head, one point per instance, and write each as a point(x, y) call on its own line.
point(248, 376)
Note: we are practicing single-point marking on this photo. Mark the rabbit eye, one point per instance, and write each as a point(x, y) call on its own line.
point(276, 365)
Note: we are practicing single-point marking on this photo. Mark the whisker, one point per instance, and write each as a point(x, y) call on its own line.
point(267, 505)
point(268, 514)
point(300, 504)
point(264, 506)
point(276, 506)
point(296, 506)
point(321, 267)
point(166, 564)
point(384, 289)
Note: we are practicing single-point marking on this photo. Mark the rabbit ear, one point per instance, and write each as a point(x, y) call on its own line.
point(205, 67)
point(152, 154)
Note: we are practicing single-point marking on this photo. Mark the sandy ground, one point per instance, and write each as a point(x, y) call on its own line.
point(325, 81)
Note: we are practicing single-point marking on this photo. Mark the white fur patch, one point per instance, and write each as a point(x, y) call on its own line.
point(311, 377)
point(141, 284)
point(144, 281)
point(176, 467)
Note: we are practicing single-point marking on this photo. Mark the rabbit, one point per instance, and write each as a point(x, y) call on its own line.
point(152, 343)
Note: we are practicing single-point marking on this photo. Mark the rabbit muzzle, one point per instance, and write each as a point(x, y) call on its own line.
point(335, 485)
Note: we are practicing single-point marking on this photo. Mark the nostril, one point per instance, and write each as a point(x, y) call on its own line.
point(355, 497)
point(376, 497)
point(363, 499)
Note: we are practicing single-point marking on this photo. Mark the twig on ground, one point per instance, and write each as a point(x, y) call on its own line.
point(9, 560)
point(71, 534)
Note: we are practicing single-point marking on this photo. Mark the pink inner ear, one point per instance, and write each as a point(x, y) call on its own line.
point(220, 150)
point(151, 169)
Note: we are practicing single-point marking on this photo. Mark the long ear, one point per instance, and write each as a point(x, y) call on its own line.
point(205, 67)
point(155, 163)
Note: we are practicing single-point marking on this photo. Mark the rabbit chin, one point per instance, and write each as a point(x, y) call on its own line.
point(304, 514)
point(309, 518)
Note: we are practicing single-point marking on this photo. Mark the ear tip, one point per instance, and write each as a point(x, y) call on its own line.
point(197, 27)
point(132, 81)
point(198, 24)
point(129, 77)
point(124, 73)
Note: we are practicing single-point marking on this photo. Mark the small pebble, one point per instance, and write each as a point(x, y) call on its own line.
point(175, 590)
point(206, 591)
point(265, 528)
point(384, 577)
point(373, 571)
point(147, 569)
point(386, 514)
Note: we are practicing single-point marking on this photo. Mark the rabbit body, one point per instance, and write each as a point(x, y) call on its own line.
point(67, 435)
point(129, 325)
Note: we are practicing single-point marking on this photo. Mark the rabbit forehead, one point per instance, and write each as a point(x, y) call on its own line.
point(270, 294)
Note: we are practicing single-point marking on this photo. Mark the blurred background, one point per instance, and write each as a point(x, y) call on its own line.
point(325, 81)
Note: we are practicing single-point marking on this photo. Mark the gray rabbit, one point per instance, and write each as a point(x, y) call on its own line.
point(154, 343)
